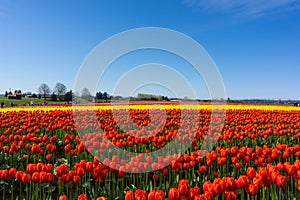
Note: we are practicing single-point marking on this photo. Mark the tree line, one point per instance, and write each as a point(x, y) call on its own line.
point(60, 93)
point(152, 97)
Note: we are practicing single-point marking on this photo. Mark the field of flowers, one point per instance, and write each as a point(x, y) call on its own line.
point(44, 154)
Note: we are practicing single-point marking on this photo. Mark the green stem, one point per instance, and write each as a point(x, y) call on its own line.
point(242, 194)
point(67, 188)
point(20, 190)
point(12, 190)
point(29, 189)
point(3, 194)
point(27, 196)
point(280, 193)
point(77, 190)
point(36, 190)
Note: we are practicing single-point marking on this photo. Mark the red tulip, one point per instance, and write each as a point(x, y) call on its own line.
point(202, 169)
point(48, 157)
point(35, 149)
point(165, 171)
point(183, 187)
point(19, 175)
point(140, 195)
point(198, 197)
point(281, 181)
point(242, 182)
point(12, 173)
point(207, 186)
point(230, 183)
point(43, 177)
point(252, 189)
point(291, 170)
point(26, 179)
point(151, 195)
point(173, 194)
point(183, 198)
point(50, 178)
point(6, 149)
point(238, 165)
point(64, 197)
point(82, 197)
point(48, 168)
point(76, 179)
point(31, 168)
point(4, 174)
point(217, 189)
point(80, 171)
point(251, 173)
point(192, 192)
point(89, 166)
point(53, 139)
point(231, 195)
point(280, 167)
point(40, 167)
point(129, 195)
point(27, 147)
point(35, 177)
point(215, 174)
point(68, 148)
point(155, 177)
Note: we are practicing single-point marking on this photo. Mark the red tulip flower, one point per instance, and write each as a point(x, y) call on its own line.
point(82, 197)
point(101, 198)
point(76, 179)
point(26, 179)
point(4, 175)
point(64, 197)
point(129, 195)
point(140, 195)
point(192, 192)
point(183, 187)
point(173, 194)
point(251, 173)
point(35, 177)
point(12, 173)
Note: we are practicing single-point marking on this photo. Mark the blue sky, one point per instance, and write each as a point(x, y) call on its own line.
point(255, 44)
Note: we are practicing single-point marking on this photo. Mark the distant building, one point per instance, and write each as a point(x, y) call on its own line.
point(16, 95)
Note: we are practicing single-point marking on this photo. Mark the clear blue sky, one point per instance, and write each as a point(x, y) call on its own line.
point(255, 44)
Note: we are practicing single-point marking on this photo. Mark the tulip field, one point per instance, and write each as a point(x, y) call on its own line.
point(46, 154)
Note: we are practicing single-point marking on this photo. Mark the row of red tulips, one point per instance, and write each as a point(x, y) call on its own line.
point(43, 150)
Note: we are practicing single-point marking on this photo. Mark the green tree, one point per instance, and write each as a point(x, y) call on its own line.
point(53, 97)
point(105, 96)
point(69, 96)
point(99, 95)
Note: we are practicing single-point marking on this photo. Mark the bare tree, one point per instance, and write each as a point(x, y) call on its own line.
point(60, 90)
point(86, 95)
point(44, 90)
